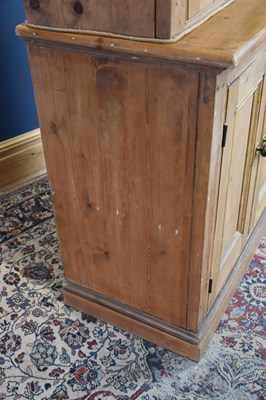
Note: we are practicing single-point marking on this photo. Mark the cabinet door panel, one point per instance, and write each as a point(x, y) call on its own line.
point(251, 165)
point(236, 172)
point(233, 213)
point(259, 198)
point(261, 193)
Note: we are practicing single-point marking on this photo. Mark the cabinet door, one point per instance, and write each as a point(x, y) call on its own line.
point(258, 196)
point(243, 110)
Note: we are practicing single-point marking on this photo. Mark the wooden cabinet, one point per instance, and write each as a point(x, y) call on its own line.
point(157, 19)
point(158, 189)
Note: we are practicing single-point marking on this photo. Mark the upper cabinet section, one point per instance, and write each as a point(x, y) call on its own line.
point(154, 19)
point(226, 40)
point(127, 17)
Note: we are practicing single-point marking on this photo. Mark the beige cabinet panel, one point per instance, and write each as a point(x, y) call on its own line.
point(240, 204)
point(259, 197)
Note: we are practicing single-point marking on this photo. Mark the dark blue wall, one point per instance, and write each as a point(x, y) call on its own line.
point(17, 107)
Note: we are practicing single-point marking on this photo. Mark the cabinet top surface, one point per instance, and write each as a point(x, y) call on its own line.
point(223, 41)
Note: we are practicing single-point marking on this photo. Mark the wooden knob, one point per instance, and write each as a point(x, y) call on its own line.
point(261, 147)
point(262, 150)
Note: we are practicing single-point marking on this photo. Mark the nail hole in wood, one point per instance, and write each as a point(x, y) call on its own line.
point(78, 7)
point(35, 4)
point(106, 253)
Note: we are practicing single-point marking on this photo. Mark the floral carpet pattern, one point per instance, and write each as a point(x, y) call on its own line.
point(50, 351)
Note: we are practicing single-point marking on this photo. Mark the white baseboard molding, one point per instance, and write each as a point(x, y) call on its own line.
point(21, 157)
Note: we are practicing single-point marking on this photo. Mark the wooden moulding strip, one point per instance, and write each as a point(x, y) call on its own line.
point(204, 194)
point(21, 157)
point(135, 321)
point(224, 41)
point(177, 52)
point(160, 332)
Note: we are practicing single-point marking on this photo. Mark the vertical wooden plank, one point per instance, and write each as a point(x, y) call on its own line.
point(259, 198)
point(170, 18)
point(251, 163)
point(213, 190)
point(212, 95)
point(231, 236)
point(230, 121)
point(236, 171)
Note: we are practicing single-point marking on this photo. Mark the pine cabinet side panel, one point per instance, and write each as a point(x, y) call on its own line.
point(119, 142)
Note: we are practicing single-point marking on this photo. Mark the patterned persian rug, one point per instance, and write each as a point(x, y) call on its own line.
point(50, 351)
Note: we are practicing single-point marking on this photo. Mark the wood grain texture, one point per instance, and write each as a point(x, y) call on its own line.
point(171, 17)
point(234, 179)
point(196, 6)
point(148, 205)
point(163, 19)
point(251, 164)
point(165, 340)
point(119, 143)
point(212, 96)
point(209, 141)
point(225, 41)
point(239, 33)
point(200, 9)
point(130, 312)
point(237, 183)
point(130, 17)
point(224, 173)
point(21, 157)
point(259, 165)
point(185, 343)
